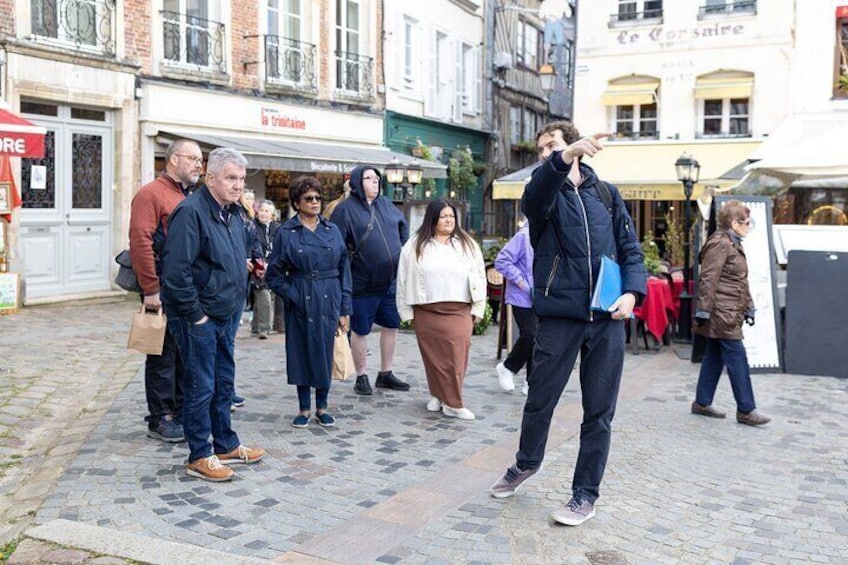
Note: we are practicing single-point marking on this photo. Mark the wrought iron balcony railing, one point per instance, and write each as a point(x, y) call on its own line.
point(288, 61)
point(734, 7)
point(190, 40)
point(355, 74)
point(87, 24)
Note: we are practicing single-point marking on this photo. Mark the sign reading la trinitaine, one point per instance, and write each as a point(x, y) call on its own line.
point(661, 35)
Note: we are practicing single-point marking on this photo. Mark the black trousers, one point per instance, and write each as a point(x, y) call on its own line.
point(522, 350)
point(600, 345)
point(163, 382)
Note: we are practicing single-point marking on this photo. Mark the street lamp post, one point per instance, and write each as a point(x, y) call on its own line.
point(688, 171)
point(395, 173)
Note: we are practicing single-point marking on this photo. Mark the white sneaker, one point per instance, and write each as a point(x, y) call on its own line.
point(506, 378)
point(461, 413)
point(526, 388)
point(435, 405)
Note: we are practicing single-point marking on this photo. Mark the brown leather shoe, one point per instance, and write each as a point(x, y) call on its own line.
point(708, 411)
point(209, 469)
point(752, 418)
point(242, 454)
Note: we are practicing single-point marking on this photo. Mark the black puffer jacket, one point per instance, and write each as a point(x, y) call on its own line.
point(373, 234)
point(571, 228)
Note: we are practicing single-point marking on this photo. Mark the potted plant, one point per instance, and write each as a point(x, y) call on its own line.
point(525, 146)
point(651, 253)
point(461, 171)
point(673, 238)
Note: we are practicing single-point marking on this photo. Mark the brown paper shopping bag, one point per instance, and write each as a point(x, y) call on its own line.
point(147, 333)
point(342, 357)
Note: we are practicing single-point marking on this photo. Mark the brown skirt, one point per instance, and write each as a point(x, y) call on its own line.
point(444, 338)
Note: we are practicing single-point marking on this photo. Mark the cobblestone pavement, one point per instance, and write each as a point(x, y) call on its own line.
point(393, 483)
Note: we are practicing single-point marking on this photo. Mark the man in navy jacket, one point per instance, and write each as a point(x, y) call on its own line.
point(574, 221)
point(204, 281)
point(374, 232)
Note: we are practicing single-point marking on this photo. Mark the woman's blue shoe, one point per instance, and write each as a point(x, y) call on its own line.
point(301, 421)
point(325, 420)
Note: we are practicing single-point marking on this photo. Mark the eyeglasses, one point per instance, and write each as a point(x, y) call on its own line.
point(370, 178)
point(312, 198)
point(192, 158)
point(745, 222)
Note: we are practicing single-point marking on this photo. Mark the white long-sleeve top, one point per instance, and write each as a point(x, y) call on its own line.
point(445, 273)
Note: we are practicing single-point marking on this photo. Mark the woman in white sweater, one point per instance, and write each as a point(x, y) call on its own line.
point(441, 286)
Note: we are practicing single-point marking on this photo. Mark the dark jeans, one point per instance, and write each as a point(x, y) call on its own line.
point(304, 398)
point(522, 350)
point(207, 352)
point(163, 382)
point(601, 348)
point(730, 353)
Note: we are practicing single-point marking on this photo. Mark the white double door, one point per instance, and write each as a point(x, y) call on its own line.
point(66, 220)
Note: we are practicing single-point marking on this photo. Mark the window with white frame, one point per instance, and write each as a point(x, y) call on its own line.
point(529, 125)
point(528, 42)
point(445, 90)
point(523, 123)
point(514, 125)
point(348, 59)
point(728, 7)
point(288, 58)
point(728, 117)
point(410, 66)
point(631, 10)
point(469, 78)
point(636, 121)
point(191, 34)
point(85, 23)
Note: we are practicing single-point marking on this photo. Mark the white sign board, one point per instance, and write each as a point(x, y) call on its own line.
point(762, 340)
point(808, 238)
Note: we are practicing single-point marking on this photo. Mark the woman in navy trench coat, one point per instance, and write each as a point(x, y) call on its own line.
point(309, 270)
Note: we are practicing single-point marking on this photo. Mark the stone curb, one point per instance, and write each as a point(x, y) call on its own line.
point(131, 546)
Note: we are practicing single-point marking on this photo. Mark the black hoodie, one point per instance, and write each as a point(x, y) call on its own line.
point(374, 235)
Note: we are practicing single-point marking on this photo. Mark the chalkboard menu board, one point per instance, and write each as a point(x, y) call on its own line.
point(762, 340)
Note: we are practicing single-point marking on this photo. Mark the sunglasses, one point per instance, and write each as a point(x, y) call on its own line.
point(312, 198)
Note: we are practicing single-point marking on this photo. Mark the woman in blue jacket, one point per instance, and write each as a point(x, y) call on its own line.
point(309, 270)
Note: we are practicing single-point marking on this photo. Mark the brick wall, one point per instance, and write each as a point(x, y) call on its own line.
point(137, 31)
point(325, 48)
point(7, 18)
point(245, 21)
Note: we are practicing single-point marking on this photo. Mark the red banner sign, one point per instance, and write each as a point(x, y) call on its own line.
point(842, 11)
point(20, 137)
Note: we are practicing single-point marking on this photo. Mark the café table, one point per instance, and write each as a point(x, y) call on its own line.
point(653, 312)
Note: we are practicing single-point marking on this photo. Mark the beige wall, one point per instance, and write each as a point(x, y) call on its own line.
point(460, 20)
point(678, 49)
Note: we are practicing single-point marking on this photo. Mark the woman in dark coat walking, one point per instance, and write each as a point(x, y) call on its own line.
point(724, 302)
point(263, 307)
point(309, 269)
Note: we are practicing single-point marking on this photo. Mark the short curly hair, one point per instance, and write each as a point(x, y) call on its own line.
point(569, 132)
point(300, 186)
point(732, 210)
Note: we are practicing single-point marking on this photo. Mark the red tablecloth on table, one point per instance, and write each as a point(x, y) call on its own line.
point(654, 310)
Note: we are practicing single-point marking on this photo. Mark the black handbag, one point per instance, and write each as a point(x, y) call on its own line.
point(126, 278)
